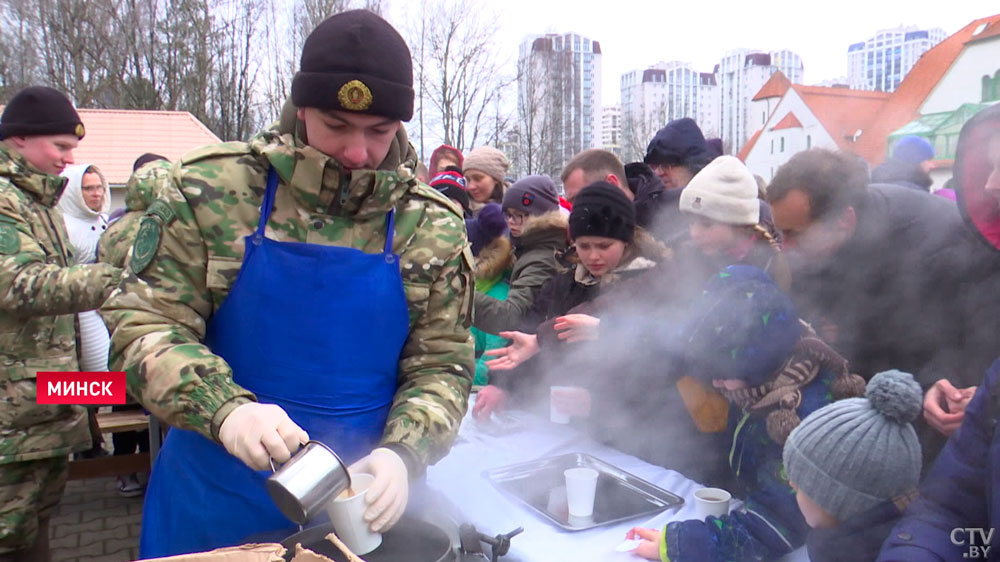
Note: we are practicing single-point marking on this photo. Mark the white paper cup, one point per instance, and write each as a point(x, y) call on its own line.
point(581, 486)
point(711, 501)
point(555, 416)
point(347, 515)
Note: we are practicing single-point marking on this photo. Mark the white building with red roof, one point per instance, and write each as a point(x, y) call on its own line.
point(961, 70)
point(803, 117)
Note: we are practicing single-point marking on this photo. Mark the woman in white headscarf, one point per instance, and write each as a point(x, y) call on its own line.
point(85, 204)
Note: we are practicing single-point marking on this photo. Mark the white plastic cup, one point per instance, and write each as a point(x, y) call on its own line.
point(555, 416)
point(711, 501)
point(581, 487)
point(348, 517)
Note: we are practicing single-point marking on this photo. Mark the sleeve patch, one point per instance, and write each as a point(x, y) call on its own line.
point(147, 242)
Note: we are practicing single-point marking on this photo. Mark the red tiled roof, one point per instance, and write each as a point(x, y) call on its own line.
point(916, 86)
point(789, 121)
point(116, 137)
point(775, 87)
point(992, 30)
point(842, 111)
point(745, 151)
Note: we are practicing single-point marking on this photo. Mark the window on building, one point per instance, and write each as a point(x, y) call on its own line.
point(991, 87)
point(809, 142)
point(782, 144)
point(772, 146)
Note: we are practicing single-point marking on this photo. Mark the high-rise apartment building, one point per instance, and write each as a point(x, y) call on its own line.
point(611, 129)
point(559, 100)
point(666, 91)
point(881, 62)
point(740, 74)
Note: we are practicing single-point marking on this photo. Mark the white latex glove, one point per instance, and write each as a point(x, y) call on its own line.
point(255, 433)
point(386, 498)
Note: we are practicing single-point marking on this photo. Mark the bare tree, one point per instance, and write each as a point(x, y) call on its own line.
point(232, 106)
point(284, 35)
point(18, 56)
point(461, 74)
point(638, 128)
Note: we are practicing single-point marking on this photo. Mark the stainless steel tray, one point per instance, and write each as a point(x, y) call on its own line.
point(541, 486)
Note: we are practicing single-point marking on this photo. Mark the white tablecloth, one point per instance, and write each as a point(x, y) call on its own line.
point(458, 479)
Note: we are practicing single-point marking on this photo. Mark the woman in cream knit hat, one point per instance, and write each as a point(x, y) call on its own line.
point(485, 171)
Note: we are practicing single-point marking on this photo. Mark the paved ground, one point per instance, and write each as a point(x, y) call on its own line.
point(95, 524)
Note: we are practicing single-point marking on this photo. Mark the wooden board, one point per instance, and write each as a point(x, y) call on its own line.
point(108, 466)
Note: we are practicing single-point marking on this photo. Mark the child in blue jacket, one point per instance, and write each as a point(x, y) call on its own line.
point(745, 336)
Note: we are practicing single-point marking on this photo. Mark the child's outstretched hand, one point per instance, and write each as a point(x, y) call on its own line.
point(650, 546)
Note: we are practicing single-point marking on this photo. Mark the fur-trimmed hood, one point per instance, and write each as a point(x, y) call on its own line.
point(549, 229)
point(494, 259)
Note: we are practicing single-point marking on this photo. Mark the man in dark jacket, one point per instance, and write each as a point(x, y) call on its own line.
point(884, 270)
point(656, 207)
point(677, 152)
point(960, 492)
point(908, 164)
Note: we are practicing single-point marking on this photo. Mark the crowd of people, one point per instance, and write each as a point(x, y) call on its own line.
point(817, 344)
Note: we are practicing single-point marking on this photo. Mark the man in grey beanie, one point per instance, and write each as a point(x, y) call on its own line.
point(855, 465)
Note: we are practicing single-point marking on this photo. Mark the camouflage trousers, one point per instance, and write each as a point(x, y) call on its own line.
point(29, 491)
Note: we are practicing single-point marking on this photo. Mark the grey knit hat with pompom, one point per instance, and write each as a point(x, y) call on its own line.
point(854, 454)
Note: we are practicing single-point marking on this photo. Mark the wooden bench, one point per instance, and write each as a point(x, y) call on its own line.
point(114, 422)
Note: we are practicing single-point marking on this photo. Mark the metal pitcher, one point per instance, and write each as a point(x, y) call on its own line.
point(302, 486)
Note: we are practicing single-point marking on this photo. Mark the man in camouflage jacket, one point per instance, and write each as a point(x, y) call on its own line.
point(336, 186)
point(116, 241)
point(40, 294)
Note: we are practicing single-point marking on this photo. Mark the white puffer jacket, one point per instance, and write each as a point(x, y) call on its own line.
point(85, 227)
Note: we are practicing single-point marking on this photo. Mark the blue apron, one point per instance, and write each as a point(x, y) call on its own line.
point(315, 329)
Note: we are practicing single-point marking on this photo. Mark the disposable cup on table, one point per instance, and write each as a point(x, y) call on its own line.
point(347, 515)
point(581, 487)
point(711, 501)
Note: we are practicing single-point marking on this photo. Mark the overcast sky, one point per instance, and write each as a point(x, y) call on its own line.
point(636, 34)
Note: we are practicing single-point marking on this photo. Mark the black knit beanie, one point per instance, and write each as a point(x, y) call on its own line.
point(451, 183)
point(356, 61)
point(40, 110)
point(602, 209)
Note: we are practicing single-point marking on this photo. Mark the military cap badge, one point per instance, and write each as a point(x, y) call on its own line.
point(355, 96)
point(79, 131)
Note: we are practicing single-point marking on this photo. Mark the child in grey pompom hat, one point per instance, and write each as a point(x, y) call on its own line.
point(854, 465)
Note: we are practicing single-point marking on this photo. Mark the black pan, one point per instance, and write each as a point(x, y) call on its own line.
point(411, 540)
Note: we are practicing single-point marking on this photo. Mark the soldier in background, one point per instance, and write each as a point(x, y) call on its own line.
point(116, 241)
point(349, 322)
point(40, 292)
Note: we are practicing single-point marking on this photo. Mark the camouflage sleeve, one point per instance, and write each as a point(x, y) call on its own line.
point(437, 364)
point(157, 317)
point(31, 286)
point(114, 244)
